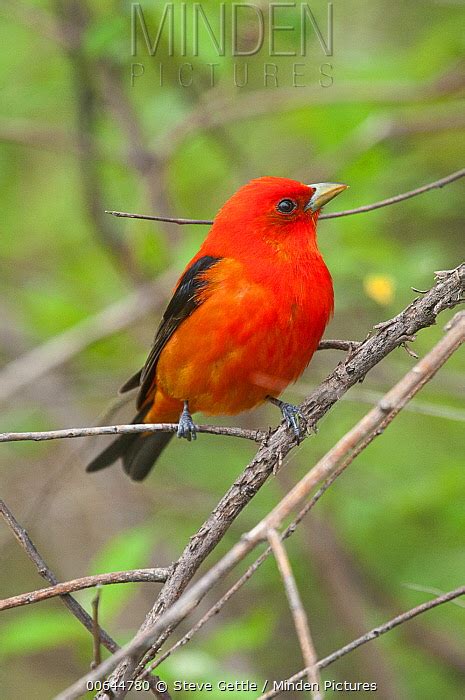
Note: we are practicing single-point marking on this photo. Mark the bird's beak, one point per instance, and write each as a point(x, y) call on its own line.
point(324, 193)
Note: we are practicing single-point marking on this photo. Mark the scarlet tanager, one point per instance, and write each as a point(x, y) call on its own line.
point(244, 320)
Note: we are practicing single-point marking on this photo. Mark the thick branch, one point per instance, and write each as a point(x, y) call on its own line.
point(422, 312)
point(166, 613)
point(334, 215)
point(370, 425)
point(78, 584)
point(287, 532)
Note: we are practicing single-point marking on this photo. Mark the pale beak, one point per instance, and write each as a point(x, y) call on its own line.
point(324, 193)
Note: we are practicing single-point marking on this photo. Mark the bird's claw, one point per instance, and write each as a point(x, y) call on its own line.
point(293, 417)
point(186, 426)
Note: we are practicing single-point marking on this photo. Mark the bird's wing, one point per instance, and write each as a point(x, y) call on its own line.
point(183, 302)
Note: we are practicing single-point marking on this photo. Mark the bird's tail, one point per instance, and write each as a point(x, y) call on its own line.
point(138, 451)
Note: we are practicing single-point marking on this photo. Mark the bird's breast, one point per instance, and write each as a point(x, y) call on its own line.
point(251, 335)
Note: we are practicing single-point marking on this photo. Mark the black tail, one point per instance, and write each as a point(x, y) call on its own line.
point(138, 451)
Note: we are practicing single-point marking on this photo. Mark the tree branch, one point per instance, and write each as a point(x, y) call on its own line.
point(334, 215)
point(255, 435)
point(78, 584)
point(425, 408)
point(31, 551)
point(287, 532)
point(71, 603)
point(437, 184)
point(298, 613)
point(371, 425)
point(97, 653)
point(166, 613)
point(345, 345)
point(151, 217)
point(374, 634)
point(342, 466)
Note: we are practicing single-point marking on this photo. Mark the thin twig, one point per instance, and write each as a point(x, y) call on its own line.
point(394, 401)
point(75, 608)
point(345, 345)
point(425, 408)
point(442, 182)
point(255, 435)
point(31, 551)
point(340, 580)
point(373, 634)
point(437, 184)
point(78, 584)
point(97, 654)
point(298, 613)
point(214, 610)
point(352, 590)
point(152, 217)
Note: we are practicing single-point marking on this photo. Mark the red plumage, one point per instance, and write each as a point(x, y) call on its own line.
point(247, 314)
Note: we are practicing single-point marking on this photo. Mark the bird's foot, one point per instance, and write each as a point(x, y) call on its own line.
point(292, 416)
point(186, 426)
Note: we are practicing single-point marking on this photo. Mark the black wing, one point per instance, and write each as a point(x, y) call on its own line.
point(183, 302)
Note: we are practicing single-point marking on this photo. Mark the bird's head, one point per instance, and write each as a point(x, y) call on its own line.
point(276, 211)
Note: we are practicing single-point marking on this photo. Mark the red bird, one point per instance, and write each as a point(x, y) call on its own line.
point(244, 320)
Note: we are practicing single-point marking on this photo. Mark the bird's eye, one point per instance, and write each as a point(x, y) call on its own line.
point(286, 206)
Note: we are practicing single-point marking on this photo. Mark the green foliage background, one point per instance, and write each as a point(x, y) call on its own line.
point(77, 139)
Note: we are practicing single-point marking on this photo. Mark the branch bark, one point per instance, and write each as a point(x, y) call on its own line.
point(78, 584)
point(255, 435)
point(71, 603)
